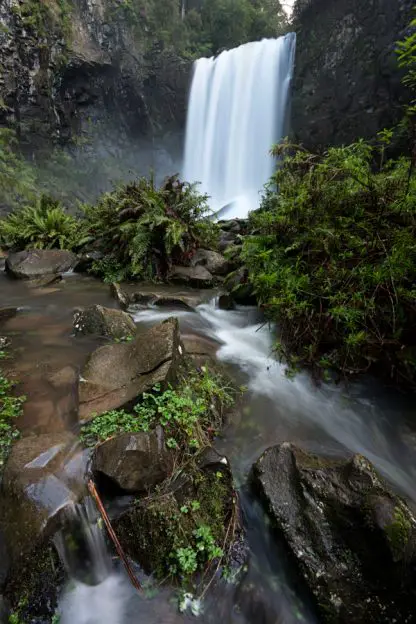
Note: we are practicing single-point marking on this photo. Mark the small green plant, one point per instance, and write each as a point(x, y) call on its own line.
point(10, 409)
point(189, 414)
point(43, 225)
point(188, 559)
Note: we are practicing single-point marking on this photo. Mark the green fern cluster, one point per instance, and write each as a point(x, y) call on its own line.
point(143, 230)
point(42, 225)
point(333, 260)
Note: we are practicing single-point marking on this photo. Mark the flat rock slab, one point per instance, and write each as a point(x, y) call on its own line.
point(353, 539)
point(37, 263)
point(115, 375)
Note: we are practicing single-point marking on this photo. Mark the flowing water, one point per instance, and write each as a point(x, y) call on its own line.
point(237, 109)
point(328, 420)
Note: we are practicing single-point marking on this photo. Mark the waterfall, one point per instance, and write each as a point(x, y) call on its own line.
point(237, 110)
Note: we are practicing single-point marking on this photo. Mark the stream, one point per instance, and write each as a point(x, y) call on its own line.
point(363, 418)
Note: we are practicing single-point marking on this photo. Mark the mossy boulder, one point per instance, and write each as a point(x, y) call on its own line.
point(155, 528)
point(34, 584)
point(353, 539)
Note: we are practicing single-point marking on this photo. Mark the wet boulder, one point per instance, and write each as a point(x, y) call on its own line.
point(115, 375)
point(33, 491)
point(213, 261)
point(120, 295)
point(134, 462)
point(104, 322)
point(86, 260)
point(37, 263)
point(353, 539)
point(238, 285)
point(201, 349)
point(196, 276)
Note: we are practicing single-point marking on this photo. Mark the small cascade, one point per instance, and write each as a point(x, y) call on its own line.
point(81, 544)
point(237, 109)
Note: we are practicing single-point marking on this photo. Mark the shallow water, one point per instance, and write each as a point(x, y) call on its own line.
point(363, 418)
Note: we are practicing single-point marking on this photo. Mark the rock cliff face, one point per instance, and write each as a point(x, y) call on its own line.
point(85, 67)
point(346, 81)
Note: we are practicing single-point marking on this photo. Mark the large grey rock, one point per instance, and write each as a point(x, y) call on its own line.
point(353, 539)
point(36, 263)
point(116, 374)
point(135, 462)
point(104, 322)
point(213, 261)
point(197, 276)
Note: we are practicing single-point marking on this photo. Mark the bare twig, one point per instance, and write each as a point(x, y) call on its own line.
point(113, 536)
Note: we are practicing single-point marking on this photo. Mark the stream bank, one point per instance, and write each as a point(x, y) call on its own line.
point(326, 421)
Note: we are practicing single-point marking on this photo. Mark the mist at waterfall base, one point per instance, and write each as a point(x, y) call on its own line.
point(327, 420)
point(238, 109)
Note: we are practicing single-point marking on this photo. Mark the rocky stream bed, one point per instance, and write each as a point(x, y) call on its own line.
point(318, 484)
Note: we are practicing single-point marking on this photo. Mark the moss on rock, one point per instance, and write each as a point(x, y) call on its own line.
point(189, 517)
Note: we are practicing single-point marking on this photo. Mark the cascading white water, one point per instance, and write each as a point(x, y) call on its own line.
point(237, 110)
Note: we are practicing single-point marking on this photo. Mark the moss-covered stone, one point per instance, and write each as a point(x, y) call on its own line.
point(156, 528)
point(33, 585)
point(353, 539)
point(399, 532)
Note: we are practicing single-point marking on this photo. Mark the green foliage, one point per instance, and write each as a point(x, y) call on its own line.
point(143, 229)
point(42, 17)
point(203, 549)
point(189, 414)
point(206, 28)
point(333, 260)
point(42, 225)
point(406, 50)
point(399, 532)
point(10, 409)
point(229, 23)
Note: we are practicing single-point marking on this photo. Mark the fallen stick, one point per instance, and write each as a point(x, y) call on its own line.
point(104, 515)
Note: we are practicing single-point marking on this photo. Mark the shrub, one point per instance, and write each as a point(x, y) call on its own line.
point(43, 225)
point(144, 230)
point(333, 260)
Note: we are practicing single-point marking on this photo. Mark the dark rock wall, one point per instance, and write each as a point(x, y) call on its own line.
point(346, 82)
point(86, 71)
